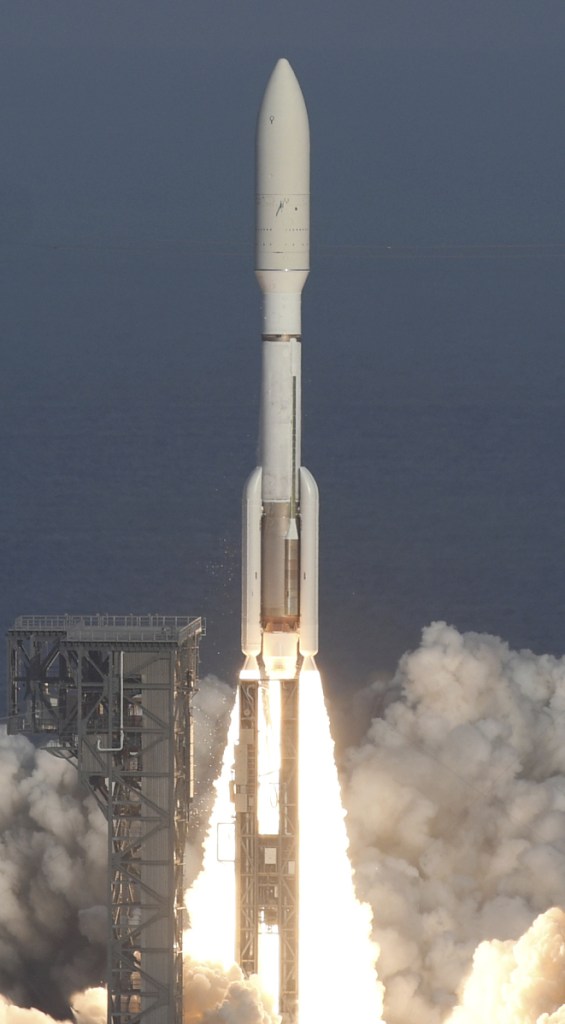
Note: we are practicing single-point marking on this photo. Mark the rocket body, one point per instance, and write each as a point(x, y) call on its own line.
point(280, 507)
point(279, 631)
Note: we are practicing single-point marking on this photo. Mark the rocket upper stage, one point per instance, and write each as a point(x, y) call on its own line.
point(283, 199)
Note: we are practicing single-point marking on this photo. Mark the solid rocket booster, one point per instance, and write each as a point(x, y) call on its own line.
point(280, 505)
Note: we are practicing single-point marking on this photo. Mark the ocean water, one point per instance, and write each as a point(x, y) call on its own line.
point(433, 420)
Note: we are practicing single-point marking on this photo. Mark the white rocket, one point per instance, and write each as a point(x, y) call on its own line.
point(280, 503)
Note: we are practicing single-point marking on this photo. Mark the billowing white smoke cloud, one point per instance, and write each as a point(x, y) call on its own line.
point(219, 996)
point(88, 1007)
point(519, 981)
point(52, 882)
point(456, 811)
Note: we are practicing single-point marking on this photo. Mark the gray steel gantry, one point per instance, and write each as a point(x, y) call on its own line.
point(267, 865)
point(112, 695)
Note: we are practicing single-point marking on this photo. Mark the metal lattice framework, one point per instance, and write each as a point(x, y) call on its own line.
point(288, 808)
point(247, 897)
point(112, 695)
point(267, 865)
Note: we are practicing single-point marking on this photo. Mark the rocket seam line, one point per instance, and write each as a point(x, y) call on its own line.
point(281, 337)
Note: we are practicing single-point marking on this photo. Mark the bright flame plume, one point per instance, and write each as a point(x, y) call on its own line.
point(211, 899)
point(337, 978)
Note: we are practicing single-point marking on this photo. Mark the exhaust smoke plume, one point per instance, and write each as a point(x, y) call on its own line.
point(519, 981)
point(88, 1007)
point(456, 813)
point(52, 881)
point(220, 995)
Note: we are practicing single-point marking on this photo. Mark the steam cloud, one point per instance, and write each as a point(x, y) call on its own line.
point(88, 1007)
point(52, 883)
point(217, 996)
point(456, 812)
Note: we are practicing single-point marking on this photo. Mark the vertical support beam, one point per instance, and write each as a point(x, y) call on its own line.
point(288, 879)
point(267, 886)
point(247, 852)
point(186, 666)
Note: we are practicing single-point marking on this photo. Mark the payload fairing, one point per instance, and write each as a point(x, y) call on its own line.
point(280, 559)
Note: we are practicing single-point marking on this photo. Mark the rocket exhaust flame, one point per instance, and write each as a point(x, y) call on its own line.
point(334, 927)
point(211, 899)
point(269, 751)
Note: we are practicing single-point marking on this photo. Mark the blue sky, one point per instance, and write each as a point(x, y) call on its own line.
point(433, 122)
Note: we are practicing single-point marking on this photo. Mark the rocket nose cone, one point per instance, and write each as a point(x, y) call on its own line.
point(283, 90)
point(283, 135)
point(283, 175)
point(283, 71)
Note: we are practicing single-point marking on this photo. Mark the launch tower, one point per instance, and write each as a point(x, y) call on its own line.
point(112, 695)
